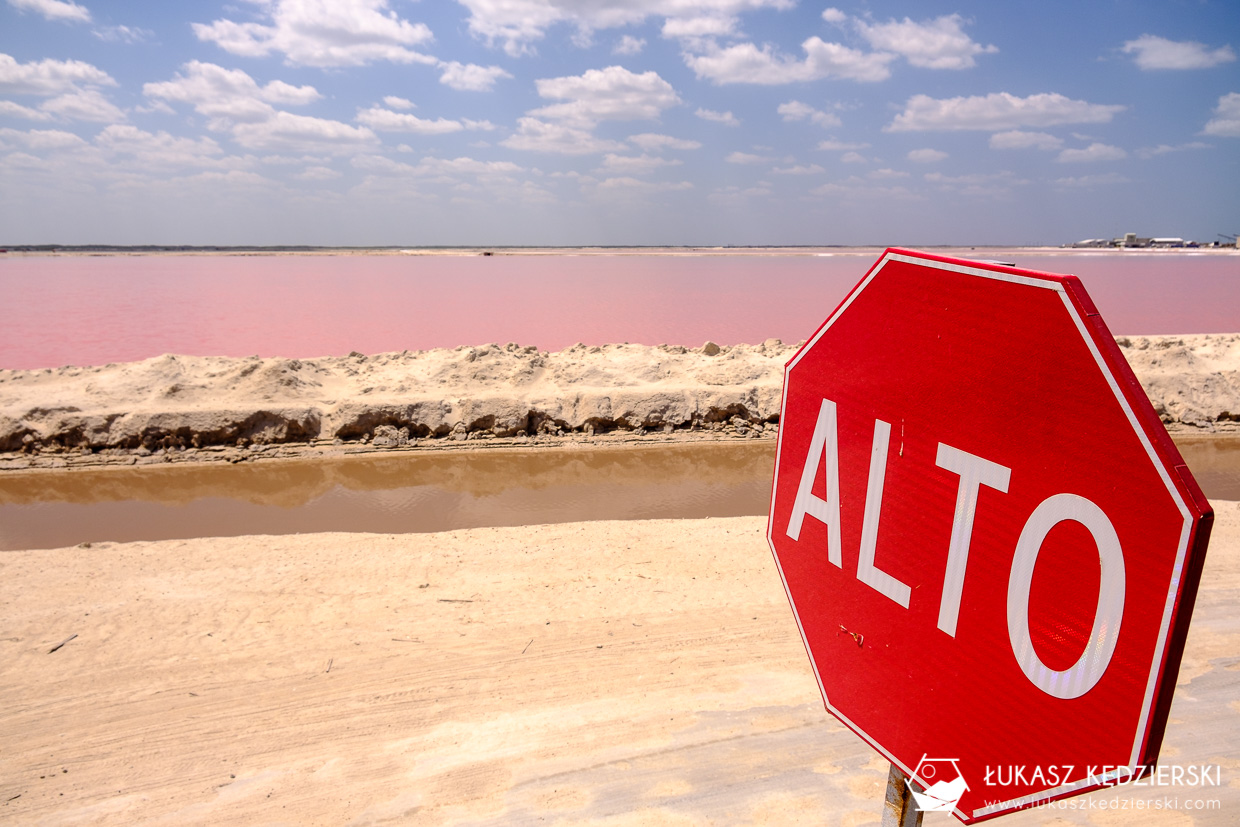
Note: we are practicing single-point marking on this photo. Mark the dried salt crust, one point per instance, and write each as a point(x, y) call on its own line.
point(200, 408)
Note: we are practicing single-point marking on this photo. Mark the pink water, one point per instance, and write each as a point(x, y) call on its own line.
point(85, 310)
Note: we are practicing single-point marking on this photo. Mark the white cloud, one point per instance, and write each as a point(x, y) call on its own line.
point(24, 161)
point(1154, 52)
point(466, 166)
point(228, 96)
point(926, 156)
point(277, 91)
point(651, 141)
point(395, 102)
point(515, 24)
point(834, 16)
point(1165, 149)
point(318, 173)
point(158, 148)
point(746, 63)
point(997, 111)
point(518, 24)
point(635, 165)
point(48, 77)
point(534, 135)
point(935, 44)
point(799, 169)
point(123, 34)
point(956, 180)
point(833, 145)
point(726, 118)
point(797, 111)
point(296, 160)
point(613, 93)
point(1094, 152)
point(378, 163)
point(696, 28)
point(448, 170)
point(573, 175)
point(1018, 139)
point(470, 77)
point(69, 85)
point(1089, 181)
point(9, 109)
point(981, 185)
point(83, 105)
point(40, 139)
point(634, 185)
point(241, 187)
point(747, 158)
point(1226, 120)
point(323, 34)
point(854, 158)
point(854, 187)
point(736, 196)
point(61, 10)
point(154, 106)
point(629, 45)
point(286, 132)
point(386, 120)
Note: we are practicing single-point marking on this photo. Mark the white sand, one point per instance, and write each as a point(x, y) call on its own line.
point(389, 400)
point(193, 408)
point(592, 673)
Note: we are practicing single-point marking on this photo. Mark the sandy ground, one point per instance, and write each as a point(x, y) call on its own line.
point(589, 673)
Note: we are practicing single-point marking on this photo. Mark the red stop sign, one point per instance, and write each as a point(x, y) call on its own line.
point(990, 543)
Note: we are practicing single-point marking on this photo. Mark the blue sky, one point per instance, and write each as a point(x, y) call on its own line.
point(647, 122)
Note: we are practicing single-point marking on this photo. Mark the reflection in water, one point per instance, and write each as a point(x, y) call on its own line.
point(386, 494)
point(1215, 464)
point(426, 492)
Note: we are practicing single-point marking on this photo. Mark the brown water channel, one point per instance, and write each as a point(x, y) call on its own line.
point(424, 492)
point(400, 493)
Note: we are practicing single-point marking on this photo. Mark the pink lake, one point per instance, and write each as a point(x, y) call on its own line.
point(82, 310)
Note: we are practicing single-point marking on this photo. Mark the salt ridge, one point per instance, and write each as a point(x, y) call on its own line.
point(189, 407)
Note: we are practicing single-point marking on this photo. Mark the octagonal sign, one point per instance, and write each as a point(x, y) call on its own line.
point(990, 543)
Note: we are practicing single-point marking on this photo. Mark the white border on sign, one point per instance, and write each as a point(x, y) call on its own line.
point(1181, 554)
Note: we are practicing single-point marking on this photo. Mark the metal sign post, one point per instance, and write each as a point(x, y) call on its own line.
point(899, 809)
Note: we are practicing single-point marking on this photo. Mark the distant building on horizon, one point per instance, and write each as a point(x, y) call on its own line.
point(1132, 240)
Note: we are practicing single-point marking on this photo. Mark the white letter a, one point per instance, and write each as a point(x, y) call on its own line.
point(826, 511)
